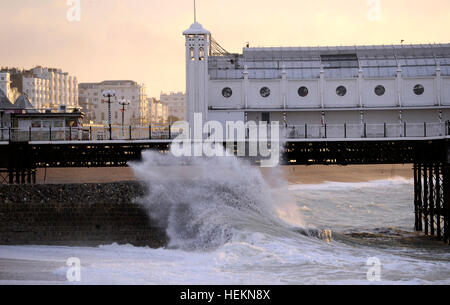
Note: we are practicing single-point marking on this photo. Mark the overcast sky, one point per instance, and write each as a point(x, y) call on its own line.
point(141, 39)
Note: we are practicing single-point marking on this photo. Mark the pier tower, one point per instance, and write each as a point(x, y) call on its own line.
point(197, 78)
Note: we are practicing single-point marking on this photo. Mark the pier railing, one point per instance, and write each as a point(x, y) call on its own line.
point(366, 130)
point(168, 132)
point(89, 133)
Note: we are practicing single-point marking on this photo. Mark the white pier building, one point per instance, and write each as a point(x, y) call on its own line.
point(387, 89)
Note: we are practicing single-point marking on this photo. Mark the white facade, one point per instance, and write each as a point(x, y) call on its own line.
point(136, 113)
point(5, 86)
point(176, 105)
point(50, 88)
point(159, 111)
point(318, 85)
point(5, 83)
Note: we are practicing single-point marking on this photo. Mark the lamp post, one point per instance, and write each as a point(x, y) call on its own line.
point(123, 103)
point(109, 94)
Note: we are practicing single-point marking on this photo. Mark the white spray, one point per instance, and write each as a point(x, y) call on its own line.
point(203, 203)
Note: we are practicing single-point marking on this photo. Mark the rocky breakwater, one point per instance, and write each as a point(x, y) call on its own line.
point(77, 215)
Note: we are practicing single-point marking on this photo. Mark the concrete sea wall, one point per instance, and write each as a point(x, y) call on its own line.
point(76, 215)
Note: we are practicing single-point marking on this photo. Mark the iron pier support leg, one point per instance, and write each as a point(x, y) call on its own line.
point(11, 176)
point(431, 194)
point(446, 202)
point(425, 198)
point(17, 176)
point(438, 205)
point(416, 197)
point(420, 196)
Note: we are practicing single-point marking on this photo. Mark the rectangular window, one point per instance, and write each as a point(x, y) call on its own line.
point(70, 123)
point(335, 61)
point(35, 124)
point(265, 117)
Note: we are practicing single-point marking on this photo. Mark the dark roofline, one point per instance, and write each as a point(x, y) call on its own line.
point(38, 114)
point(108, 82)
point(404, 50)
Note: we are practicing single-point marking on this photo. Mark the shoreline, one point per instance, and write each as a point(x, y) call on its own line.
point(314, 174)
point(96, 206)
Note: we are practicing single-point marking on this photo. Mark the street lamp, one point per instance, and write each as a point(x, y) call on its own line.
point(109, 94)
point(123, 103)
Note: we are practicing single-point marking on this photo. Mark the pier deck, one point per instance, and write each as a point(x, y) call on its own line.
point(428, 155)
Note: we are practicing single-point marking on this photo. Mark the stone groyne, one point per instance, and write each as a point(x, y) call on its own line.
point(77, 215)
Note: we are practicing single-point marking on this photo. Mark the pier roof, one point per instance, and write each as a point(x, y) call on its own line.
point(335, 62)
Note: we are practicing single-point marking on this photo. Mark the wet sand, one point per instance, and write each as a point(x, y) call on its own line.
point(293, 174)
point(354, 173)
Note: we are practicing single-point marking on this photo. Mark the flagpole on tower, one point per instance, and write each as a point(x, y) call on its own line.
point(195, 12)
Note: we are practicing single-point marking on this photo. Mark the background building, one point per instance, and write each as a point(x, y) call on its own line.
point(5, 85)
point(318, 85)
point(7, 108)
point(136, 113)
point(159, 111)
point(176, 106)
point(45, 87)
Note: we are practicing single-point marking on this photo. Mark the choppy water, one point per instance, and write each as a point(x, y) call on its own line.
point(227, 226)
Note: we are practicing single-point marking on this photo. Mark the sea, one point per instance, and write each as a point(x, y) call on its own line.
point(228, 225)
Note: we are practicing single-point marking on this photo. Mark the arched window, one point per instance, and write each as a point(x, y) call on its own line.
point(192, 54)
point(201, 54)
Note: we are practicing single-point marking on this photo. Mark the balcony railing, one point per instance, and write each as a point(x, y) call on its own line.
point(167, 132)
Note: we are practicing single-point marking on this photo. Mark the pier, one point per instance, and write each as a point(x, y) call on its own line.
point(426, 148)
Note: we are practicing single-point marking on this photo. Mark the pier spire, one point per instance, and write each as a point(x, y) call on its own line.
point(195, 11)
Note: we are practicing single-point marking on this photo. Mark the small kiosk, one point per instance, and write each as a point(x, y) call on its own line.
point(48, 126)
